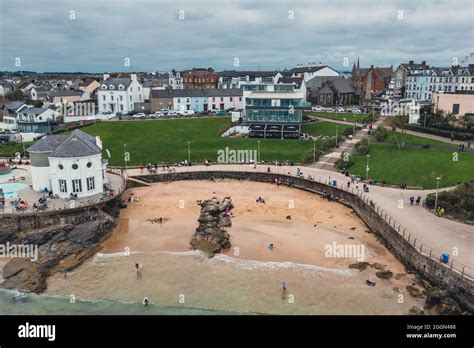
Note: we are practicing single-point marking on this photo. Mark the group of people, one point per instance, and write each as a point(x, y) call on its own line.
point(260, 200)
point(41, 204)
point(417, 201)
point(19, 204)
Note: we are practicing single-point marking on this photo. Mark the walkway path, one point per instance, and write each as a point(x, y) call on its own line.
point(441, 234)
point(328, 161)
point(411, 132)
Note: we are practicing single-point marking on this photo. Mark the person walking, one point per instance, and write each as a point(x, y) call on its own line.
point(412, 199)
point(418, 200)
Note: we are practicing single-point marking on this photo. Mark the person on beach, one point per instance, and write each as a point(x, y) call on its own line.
point(284, 286)
point(145, 302)
point(270, 246)
point(138, 267)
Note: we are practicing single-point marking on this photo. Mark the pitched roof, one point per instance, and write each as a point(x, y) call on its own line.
point(235, 73)
point(76, 144)
point(304, 69)
point(66, 93)
point(190, 93)
point(14, 105)
point(295, 80)
point(34, 111)
point(116, 82)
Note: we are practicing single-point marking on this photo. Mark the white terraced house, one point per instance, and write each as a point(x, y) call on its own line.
point(117, 95)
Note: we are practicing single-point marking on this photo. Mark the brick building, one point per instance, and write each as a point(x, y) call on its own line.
point(200, 79)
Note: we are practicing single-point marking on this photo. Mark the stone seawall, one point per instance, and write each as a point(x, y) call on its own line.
point(408, 252)
point(11, 224)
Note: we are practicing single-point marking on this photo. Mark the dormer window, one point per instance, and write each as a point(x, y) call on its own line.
point(112, 87)
point(104, 86)
point(121, 86)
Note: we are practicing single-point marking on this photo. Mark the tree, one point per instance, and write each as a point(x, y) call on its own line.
point(14, 95)
point(399, 122)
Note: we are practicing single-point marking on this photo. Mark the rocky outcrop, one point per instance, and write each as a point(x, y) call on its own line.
point(210, 236)
point(59, 248)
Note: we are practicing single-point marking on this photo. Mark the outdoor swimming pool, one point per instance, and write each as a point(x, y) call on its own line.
point(14, 173)
point(11, 190)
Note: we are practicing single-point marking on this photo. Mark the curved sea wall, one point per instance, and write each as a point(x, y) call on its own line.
point(417, 257)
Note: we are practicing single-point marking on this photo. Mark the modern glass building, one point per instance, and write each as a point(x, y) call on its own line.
point(274, 110)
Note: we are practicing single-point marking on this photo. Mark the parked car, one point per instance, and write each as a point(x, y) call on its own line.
point(340, 109)
point(329, 109)
point(139, 115)
point(355, 111)
point(188, 112)
point(219, 112)
point(317, 108)
point(156, 114)
point(164, 111)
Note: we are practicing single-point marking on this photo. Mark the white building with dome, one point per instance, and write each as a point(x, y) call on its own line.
point(68, 165)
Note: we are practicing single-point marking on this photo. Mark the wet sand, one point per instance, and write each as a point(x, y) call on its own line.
point(248, 276)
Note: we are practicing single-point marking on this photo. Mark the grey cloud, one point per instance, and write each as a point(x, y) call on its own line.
point(213, 32)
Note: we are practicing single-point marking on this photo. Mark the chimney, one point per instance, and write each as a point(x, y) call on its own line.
point(423, 62)
point(411, 62)
point(372, 66)
point(106, 76)
point(133, 77)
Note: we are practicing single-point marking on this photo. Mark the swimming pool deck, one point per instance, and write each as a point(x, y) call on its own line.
point(116, 183)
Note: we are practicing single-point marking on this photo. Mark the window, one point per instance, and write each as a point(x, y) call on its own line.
point(60, 166)
point(103, 97)
point(222, 99)
point(62, 186)
point(121, 97)
point(89, 164)
point(112, 97)
point(90, 184)
point(75, 166)
point(131, 98)
point(231, 99)
point(76, 185)
point(240, 98)
point(455, 108)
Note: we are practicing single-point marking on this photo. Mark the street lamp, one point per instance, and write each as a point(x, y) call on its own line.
point(23, 142)
point(436, 197)
point(354, 127)
point(424, 123)
point(337, 128)
point(258, 151)
point(314, 150)
point(367, 168)
point(189, 151)
point(125, 155)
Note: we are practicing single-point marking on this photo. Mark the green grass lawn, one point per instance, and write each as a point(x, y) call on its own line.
point(166, 141)
point(338, 116)
point(416, 167)
point(9, 149)
point(324, 128)
point(417, 140)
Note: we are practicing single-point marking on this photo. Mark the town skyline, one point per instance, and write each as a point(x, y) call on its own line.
point(164, 35)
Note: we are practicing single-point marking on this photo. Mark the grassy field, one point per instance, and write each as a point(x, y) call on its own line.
point(338, 116)
point(415, 167)
point(9, 149)
point(167, 141)
point(416, 140)
point(324, 128)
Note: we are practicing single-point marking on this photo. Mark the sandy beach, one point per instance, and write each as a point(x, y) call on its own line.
point(248, 276)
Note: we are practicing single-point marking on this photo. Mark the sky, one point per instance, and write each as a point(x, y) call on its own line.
point(160, 35)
